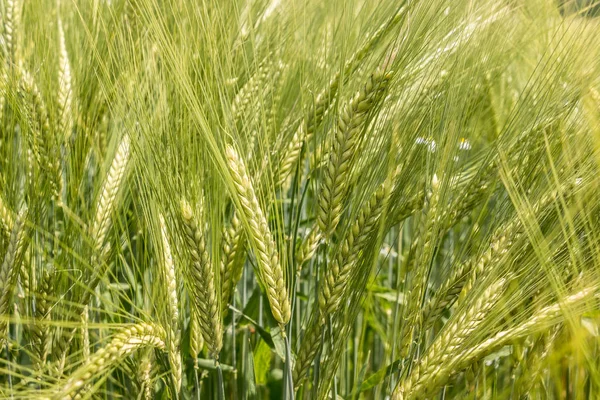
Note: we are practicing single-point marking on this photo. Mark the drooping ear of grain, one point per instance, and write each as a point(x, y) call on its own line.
point(269, 268)
point(432, 367)
point(123, 344)
point(305, 131)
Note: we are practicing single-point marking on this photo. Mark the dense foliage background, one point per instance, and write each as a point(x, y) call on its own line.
point(248, 199)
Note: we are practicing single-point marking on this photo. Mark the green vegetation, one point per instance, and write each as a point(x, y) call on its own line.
point(272, 199)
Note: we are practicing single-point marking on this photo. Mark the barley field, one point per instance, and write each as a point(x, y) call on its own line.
point(300, 199)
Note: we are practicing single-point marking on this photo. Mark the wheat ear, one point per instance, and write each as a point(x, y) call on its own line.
point(121, 346)
point(169, 278)
point(433, 366)
point(201, 281)
point(99, 230)
point(10, 268)
point(350, 123)
point(232, 260)
point(269, 269)
point(257, 84)
point(455, 361)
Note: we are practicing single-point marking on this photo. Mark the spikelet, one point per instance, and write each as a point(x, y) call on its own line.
point(309, 247)
point(169, 278)
point(85, 334)
point(232, 260)
point(65, 91)
point(340, 269)
point(6, 218)
point(10, 268)
point(350, 123)
point(269, 269)
point(108, 194)
point(123, 344)
point(196, 338)
point(201, 281)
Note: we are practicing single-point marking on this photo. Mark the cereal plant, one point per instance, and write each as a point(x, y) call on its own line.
point(284, 199)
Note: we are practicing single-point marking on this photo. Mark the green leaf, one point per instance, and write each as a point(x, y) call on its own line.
point(262, 362)
point(378, 377)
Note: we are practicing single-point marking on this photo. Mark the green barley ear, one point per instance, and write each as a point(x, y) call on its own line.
point(232, 259)
point(41, 141)
point(108, 194)
point(323, 100)
point(311, 342)
point(40, 331)
point(343, 265)
point(201, 282)
point(144, 374)
point(169, 277)
point(334, 184)
point(123, 344)
point(270, 271)
point(432, 366)
point(11, 266)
